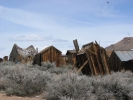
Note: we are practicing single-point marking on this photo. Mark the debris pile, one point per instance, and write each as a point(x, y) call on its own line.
point(91, 59)
point(19, 55)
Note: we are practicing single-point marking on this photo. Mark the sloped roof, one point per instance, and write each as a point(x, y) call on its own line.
point(70, 51)
point(49, 48)
point(29, 51)
point(124, 55)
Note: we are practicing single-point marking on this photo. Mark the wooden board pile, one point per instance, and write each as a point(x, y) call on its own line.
point(24, 60)
point(91, 59)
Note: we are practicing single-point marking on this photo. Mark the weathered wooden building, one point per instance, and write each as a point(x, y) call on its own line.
point(19, 55)
point(50, 54)
point(64, 60)
point(1, 60)
point(91, 59)
point(71, 54)
point(5, 58)
point(120, 60)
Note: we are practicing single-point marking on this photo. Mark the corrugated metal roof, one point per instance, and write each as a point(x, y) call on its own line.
point(124, 55)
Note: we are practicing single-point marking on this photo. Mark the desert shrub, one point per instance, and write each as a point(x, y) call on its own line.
point(117, 86)
point(6, 67)
point(3, 81)
point(69, 85)
point(4, 63)
point(27, 82)
point(22, 80)
point(51, 67)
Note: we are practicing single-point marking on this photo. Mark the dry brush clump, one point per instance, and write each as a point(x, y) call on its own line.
point(51, 67)
point(117, 86)
point(22, 80)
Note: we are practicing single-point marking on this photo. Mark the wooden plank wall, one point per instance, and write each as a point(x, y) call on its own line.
point(51, 55)
point(114, 63)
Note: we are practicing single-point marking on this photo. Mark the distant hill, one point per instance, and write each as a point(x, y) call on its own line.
point(125, 44)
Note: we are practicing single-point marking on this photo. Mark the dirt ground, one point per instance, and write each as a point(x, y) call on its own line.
point(3, 96)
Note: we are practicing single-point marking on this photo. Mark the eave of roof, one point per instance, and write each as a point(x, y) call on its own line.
point(71, 51)
point(48, 48)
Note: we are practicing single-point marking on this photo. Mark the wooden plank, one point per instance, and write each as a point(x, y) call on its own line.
point(105, 62)
point(98, 61)
point(95, 61)
point(94, 67)
point(76, 45)
point(82, 66)
point(92, 52)
point(91, 67)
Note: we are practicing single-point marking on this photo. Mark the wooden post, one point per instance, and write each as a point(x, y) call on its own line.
point(82, 66)
point(90, 64)
point(94, 67)
point(98, 60)
point(76, 45)
point(104, 60)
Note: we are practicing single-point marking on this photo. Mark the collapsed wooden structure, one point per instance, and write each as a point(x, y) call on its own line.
point(19, 55)
point(91, 59)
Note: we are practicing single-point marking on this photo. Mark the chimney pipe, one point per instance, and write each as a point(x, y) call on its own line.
point(37, 50)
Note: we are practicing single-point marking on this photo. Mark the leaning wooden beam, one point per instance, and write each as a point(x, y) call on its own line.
point(105, 64)
point(98, 60)
point(94, 60)
point(92, 52)
point(89, 59)
point(76, 45)
point(104, 59)
point(82, 66)
point(94, 67)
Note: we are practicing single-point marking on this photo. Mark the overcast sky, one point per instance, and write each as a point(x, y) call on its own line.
point(43, 23)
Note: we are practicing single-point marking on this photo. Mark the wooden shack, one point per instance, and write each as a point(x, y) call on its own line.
point(92, 59)
point(71, 54)
point(50, 54)
point(5, 58)
point(19, 55)
point(121, 60)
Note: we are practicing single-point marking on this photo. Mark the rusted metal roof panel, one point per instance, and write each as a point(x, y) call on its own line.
point(124, 55)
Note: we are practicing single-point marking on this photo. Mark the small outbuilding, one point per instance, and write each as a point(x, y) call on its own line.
point(71, 55)
point(50, 54)
point(5, 58)
point(120, 60)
